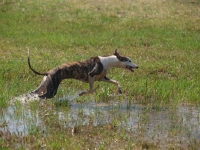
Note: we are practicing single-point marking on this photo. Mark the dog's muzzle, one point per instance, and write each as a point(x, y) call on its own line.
point(132, 68)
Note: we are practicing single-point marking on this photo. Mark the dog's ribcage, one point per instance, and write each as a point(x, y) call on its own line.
point(80, 70)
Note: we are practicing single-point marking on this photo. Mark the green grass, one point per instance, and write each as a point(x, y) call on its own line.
point(162, 40)
point(161, 37)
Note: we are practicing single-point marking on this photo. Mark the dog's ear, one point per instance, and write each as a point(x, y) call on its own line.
point(119, 57)
point(116, 53)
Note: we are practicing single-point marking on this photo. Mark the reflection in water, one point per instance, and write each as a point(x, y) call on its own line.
point(180, 123)
point(19, 122)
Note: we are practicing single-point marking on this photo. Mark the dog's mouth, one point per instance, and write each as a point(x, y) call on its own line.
point(130, 68)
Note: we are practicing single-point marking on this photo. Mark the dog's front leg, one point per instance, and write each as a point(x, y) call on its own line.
point(106, 79)
point(91, 83)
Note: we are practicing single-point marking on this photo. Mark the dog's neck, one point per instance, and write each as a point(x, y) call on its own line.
point(109, 61)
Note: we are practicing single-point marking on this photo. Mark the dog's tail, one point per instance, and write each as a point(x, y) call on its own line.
point(29, 64)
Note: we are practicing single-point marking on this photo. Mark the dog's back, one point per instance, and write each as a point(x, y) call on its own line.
point(90, 70)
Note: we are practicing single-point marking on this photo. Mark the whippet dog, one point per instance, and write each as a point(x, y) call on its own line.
point(89, 71)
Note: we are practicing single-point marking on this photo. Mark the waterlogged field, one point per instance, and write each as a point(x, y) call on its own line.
point(159, 107)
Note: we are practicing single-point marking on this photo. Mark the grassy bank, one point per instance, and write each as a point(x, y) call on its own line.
point(161, 37)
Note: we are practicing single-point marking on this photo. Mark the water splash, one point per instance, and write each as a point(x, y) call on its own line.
point(25, 98)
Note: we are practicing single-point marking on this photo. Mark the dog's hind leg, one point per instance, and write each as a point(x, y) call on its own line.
point(48, 87)
point(106, 79)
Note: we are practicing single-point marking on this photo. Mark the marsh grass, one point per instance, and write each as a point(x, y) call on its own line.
point(161, 36)
point(53, 131)
point(162, 40)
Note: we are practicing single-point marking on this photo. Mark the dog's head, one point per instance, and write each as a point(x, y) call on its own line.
point(125, 62)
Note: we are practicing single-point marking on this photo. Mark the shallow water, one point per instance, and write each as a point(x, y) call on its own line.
point(179, 125)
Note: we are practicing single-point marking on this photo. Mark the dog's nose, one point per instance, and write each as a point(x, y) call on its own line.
point(136, 67)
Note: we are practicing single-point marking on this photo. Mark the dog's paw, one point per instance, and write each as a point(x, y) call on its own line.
point(87, 92)
point(82, 93)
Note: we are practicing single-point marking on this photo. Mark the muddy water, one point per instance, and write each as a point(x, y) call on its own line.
point(179, 124)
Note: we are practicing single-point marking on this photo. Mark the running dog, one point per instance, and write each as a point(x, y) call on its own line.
point(89, 71)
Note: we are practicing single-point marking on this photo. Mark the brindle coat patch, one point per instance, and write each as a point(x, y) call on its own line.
point(90, 70)
point(74, 70)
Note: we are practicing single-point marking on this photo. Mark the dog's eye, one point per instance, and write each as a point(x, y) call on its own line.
point(129, 60)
